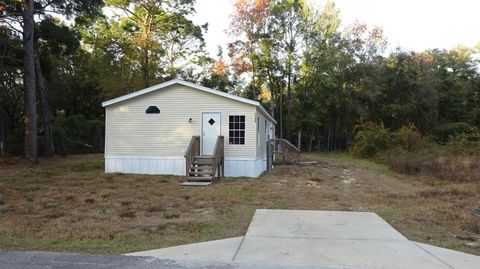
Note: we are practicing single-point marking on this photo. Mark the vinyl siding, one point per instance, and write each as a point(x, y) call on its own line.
point(131, 132)
point(263, 136)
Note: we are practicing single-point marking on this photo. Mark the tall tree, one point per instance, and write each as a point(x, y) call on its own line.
point(23, 13)
point(30, 118)
point(249, 20)
point(11, 97)
point(288, 20)
point(157, 35)
point(52, 40)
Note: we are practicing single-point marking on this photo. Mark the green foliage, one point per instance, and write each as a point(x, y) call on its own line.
point(408, 137)
point(55, 38)
point(370, 139)
point(76, 134)
point(452, 131)
point(319, 78)
point(144, 42)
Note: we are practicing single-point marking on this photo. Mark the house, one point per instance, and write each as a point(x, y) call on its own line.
point(154, 131)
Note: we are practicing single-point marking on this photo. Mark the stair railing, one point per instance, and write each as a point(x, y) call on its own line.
point(192, 151)
point(287, 149)
point(218, 158)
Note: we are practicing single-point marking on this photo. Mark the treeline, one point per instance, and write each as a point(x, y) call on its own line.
point(320, 79)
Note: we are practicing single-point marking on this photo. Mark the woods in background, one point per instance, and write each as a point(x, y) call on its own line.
point(320, 79)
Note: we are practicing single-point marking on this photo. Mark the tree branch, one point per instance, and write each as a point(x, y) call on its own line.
point(12, 27)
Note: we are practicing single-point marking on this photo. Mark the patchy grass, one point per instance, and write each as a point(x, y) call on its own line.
point(69, 204)
point(349, 160)
point(461, 166)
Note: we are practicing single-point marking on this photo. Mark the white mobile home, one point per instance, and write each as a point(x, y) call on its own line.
point(150, 131)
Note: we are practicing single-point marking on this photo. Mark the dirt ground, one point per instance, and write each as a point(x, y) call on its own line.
point(69, 204)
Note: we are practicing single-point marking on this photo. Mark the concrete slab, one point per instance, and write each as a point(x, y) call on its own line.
point(455, 259)
point(330, 239)
point(321, 224)
point(196, 184)
point(337, 253)
point(218, 250)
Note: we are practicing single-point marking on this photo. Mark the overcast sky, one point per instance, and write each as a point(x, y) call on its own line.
point(410, 24)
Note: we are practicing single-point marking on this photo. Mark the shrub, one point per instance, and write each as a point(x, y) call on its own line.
point(370, 139)
point(15, 142)
point(408, 137)
point(438, 161)
point(451, 131)
point(76, 134)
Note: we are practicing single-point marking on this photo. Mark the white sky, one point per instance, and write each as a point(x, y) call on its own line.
point(410, 24)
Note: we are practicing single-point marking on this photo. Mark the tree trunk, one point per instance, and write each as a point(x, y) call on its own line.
point(46, 114)
point(299, 139)
point(272, 93)
point(145, 66)
point(311, 141)
point(255, 93)
point(288, 122)
point(3, 132)
point(281, 111)
point(30, 116)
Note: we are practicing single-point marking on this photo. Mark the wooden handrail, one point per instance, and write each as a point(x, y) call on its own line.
point(291, 145)
point(193, 150)
point(287, 149)
point(218, 158)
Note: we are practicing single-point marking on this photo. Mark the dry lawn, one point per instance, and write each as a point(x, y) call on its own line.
point(69, 204)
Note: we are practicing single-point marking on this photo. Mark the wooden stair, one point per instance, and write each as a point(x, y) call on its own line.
point(200, 173)
point(202, 169)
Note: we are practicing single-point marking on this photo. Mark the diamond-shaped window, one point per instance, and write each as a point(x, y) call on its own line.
point(211, 121)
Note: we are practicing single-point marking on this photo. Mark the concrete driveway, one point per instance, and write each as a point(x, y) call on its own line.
point(323, 239)
point(277, 239)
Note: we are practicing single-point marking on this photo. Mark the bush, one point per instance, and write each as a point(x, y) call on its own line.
point(448, 162)
point(370, 139)
point(451, 131)
point(77, 135)
point(408, 137)
point(14, 143)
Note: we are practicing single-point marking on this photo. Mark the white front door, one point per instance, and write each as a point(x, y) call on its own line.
point(210, 131)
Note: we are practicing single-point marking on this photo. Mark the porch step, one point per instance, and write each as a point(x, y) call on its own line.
point(199, 178)
point(200, 174)
point(203, 157)
point(202, 162)
point(196, 184)
point(202, 169)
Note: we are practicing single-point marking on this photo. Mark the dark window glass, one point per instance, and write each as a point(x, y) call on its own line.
point(152, 110)
point(236, 130)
